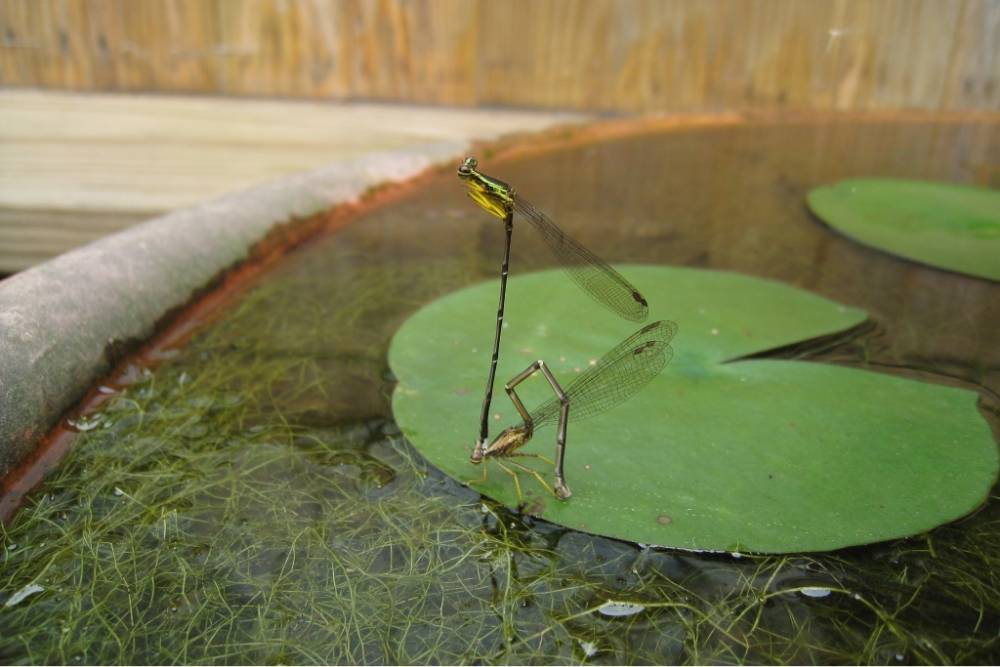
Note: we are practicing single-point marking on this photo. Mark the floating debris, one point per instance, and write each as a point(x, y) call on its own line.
point(589, 648)
point(815, 591)
point(84, 423)
point(614, 608)
point(21, 595)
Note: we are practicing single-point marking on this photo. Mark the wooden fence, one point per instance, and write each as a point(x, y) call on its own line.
point(632, 55)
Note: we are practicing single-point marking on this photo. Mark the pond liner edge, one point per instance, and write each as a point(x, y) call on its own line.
point(67, 322)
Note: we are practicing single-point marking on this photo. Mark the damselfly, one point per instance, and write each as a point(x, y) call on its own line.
point(613, 379)
point(589, 271)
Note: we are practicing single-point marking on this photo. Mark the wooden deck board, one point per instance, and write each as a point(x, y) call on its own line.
point(76, 166)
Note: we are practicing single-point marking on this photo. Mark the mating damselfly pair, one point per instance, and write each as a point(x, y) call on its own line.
point(614, 378)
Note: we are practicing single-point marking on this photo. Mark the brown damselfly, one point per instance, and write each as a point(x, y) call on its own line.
point(613, 379)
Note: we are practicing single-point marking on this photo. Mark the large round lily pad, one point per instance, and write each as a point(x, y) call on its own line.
point(756, 455)
point(949, 226)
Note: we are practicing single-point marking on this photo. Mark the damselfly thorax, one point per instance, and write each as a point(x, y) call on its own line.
point(490, 193)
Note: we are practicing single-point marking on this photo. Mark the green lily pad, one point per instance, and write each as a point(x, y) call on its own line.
point(948, 226)
point(755, 455)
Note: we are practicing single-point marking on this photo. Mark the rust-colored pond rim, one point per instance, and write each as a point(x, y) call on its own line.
point(178, 327)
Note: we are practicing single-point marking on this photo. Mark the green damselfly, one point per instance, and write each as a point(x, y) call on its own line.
point(590, 272)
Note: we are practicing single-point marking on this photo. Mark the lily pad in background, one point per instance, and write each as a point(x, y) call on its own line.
point(949, 226)
point(755, 455)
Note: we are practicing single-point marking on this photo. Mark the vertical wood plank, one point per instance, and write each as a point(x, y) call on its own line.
point(641, 55)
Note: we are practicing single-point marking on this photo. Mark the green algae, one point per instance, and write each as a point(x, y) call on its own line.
point(270, 512)
point(217, 514)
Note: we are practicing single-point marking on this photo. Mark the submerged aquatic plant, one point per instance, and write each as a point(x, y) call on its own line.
point(246, 503)
point(251, 501)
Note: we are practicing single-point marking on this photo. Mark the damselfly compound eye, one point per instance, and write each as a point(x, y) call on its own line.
point(468, 165)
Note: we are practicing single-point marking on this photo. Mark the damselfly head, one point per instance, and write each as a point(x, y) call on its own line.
point(467, 167)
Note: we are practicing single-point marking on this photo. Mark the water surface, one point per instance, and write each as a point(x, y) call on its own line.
point(251, 500)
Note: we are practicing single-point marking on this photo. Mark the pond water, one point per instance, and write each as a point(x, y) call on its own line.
point(250, 500)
